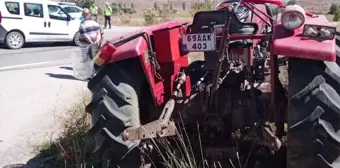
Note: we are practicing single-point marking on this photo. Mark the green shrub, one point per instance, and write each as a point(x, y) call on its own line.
point(332, 9)
point(197, 6)
point(164, 12)
point(150, 17)
point(336, 15)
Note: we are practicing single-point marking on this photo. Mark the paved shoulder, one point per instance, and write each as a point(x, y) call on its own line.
point(31, 102)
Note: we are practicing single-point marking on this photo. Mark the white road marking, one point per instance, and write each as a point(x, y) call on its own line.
point(22, 65)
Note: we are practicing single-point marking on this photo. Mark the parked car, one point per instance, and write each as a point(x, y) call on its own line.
point(66, 3)
point(26, 21)
point(72, 9)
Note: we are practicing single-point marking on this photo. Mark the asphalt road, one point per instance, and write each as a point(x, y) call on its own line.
point(47, 54)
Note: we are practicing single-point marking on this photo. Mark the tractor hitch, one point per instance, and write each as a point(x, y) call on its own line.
point(161, 127)
point(150, 130)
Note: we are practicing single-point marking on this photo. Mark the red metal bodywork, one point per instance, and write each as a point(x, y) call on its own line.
point(166, 40)
point(291, 43)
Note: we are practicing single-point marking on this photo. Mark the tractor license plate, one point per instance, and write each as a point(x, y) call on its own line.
point(199, 42)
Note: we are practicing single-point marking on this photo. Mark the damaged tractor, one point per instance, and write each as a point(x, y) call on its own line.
point(146, 88)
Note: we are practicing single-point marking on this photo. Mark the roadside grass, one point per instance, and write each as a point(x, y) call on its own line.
point(138, 20)
point(72, 148)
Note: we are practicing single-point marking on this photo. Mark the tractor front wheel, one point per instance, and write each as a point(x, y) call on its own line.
point(313, 114)
point(115, 106)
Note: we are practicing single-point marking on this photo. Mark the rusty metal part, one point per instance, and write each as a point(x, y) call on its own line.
point(221, 55)
point(271, 141)
point(170, 104)
point(267, 137)
point(161, 127)
point(150, 130)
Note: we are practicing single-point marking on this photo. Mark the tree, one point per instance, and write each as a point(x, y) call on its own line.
point(332, 9)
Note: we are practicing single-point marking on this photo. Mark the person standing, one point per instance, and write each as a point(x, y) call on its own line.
point(107, 15)
point(94, 11)
point(90, 38)
point(89, 29)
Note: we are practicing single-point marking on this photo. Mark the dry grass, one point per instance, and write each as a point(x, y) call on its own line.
point(72, 149)
point(136, 20)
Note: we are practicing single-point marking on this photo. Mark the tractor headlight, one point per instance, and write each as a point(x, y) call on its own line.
point(319, 32)
point(293, 17)
point(310, 31)
point(326, 32)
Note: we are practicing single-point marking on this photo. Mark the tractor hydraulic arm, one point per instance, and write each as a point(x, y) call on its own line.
point(161, 127)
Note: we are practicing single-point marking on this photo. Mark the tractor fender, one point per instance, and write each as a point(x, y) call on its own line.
point(293, 44)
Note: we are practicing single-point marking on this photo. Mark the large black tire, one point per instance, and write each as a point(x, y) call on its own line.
point(115, 106)
point(314, 94)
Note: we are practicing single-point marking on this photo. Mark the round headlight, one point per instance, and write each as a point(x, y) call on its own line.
point(293, 17)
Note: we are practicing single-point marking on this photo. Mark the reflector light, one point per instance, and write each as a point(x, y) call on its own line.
point(319, 32)
point(104, 54)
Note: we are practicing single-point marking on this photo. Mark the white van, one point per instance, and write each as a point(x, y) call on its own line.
point(26, 21)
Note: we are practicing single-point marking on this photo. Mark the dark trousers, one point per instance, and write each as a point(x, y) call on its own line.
point(107, 21)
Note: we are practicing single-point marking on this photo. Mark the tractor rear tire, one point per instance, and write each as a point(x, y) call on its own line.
point(313, 114)
point(115, 106)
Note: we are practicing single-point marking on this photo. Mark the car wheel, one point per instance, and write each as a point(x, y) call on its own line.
point(15, 40)
point(76, 39)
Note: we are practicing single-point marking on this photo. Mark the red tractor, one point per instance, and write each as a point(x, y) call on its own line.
point(146, 88)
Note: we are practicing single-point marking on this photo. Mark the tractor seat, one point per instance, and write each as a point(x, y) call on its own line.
point(205, 19)
point(236, 44)
point(240, 44)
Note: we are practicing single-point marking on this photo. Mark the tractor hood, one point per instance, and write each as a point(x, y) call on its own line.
point(292, 43)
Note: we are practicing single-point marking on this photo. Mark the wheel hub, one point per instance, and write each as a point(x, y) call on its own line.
point(15, 40)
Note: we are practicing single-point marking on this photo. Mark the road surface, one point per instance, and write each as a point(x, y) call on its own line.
point(33, 56)
point(36, 88)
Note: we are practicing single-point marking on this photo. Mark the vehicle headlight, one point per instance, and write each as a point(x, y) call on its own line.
point(293, 17)
point(326, 32)
point(319, 32)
